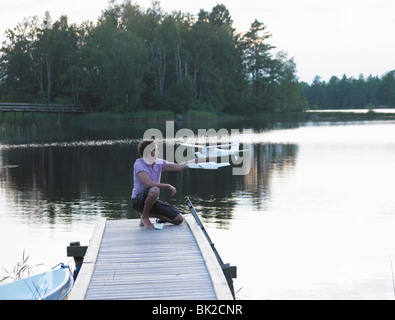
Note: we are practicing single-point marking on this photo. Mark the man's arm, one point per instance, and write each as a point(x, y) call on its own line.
point(178, 166)
point(175, 166)
point(148, 183)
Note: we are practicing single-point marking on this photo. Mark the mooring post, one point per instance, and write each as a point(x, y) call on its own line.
point(77, 251)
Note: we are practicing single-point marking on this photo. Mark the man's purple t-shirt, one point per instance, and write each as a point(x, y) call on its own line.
point(154, 173)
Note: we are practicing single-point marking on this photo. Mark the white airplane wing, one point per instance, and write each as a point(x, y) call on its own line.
point(207, 165)
point(222, 146)
point(192, 145)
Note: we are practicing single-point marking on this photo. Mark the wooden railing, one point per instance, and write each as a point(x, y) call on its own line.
point(38, 107)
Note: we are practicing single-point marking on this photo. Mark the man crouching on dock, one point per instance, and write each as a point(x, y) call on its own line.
point(147, 185)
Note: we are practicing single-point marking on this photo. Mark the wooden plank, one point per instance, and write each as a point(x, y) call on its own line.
point(81, 284)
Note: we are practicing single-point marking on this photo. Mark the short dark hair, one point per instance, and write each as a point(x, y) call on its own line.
point(142, 145)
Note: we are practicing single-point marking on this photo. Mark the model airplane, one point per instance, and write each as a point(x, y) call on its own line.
point(207, 152)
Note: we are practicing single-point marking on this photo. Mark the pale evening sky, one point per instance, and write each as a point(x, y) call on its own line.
point(325, 37)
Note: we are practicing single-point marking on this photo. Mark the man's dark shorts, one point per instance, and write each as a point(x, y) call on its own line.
point(159, 207)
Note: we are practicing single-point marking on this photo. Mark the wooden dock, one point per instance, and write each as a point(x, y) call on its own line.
point(125, 261)
point(40, 107)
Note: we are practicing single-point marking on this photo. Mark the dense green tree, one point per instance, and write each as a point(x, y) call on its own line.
point(257, 57)
point(115, 62)
point(133, 59)
point(387, 89)
point(350, 93)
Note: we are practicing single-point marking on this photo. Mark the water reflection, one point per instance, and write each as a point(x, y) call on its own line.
point(58, 180)
point(313, 218)
point(95, 177)
point(215, 194)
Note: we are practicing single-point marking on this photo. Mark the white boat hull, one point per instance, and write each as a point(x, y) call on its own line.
point(51, 285)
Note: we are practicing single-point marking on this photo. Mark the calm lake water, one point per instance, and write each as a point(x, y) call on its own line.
point(313, 219)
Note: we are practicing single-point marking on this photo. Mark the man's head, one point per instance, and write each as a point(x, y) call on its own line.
point(148, 149)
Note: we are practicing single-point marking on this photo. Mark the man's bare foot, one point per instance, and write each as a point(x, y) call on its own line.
point(146, 222)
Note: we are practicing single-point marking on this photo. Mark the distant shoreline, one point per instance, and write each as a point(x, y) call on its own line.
point(365, 110)
point(155, 117)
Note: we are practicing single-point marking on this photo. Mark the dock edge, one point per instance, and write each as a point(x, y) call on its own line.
point(218, 279)
point(84, 277)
